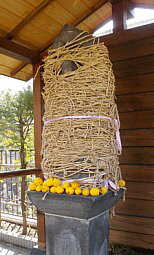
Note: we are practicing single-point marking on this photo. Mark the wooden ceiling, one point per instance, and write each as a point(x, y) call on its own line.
point(35, 23)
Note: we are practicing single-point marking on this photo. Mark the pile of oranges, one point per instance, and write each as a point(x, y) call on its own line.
point(55, 186)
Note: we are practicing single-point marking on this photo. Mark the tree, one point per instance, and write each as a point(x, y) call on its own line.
point(16, 114)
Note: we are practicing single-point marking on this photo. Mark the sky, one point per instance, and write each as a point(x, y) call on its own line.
point(13, 84)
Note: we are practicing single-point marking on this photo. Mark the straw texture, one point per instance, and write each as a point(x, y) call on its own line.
point(80, 133)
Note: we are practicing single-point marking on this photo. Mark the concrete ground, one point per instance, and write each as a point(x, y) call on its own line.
point(10, 249)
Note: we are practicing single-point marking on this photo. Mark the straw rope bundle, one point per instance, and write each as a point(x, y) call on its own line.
point(80, 133)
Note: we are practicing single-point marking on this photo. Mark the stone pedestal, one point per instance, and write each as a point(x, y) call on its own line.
point(73, 236)
point(76, 225)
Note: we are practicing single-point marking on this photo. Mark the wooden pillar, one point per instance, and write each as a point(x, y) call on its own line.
point(129, 7)
point(38, 112)
point(121, 10)
point(37, 101)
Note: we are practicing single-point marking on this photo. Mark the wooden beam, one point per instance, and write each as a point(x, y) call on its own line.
point(20, 67)
point(23, 172)
point(38, 113)
point(121, 11)
point(29, 77)
point(126, 36)
point(17, 51)
point(119, 15)
point(29, 18)
point(90, 12)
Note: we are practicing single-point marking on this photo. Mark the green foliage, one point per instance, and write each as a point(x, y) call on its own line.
point(16, 126)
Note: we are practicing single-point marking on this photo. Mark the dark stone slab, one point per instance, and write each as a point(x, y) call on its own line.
point(72, 205)
point(36, 251)
point(73, 236)
point(75, 225)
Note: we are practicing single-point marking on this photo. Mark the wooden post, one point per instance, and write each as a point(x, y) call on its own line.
point(23, 206)
point(119, 15)
point(37, 101)
point(38, 110)
point(129, 7)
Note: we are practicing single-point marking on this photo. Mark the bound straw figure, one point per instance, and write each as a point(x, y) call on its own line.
point(81, 125)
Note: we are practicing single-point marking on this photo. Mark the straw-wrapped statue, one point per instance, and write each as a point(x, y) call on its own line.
point(81, 138)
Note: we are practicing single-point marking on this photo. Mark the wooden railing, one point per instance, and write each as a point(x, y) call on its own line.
point(10, 159)
point(22, 173)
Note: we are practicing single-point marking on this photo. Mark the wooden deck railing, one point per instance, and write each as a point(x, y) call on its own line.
point(22, 173)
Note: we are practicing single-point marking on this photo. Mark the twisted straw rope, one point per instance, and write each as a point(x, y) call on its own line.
point(76, 147)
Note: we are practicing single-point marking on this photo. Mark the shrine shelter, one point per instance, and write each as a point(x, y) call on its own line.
point(27, 30)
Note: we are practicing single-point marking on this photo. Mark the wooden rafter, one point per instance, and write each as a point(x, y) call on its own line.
point(18, 51)
point(20, 67)
point(90, 12)
point(77, 22)
point(29, 18)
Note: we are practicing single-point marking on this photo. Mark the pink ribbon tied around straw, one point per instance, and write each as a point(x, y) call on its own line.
point(108, 182)
point(118, 140)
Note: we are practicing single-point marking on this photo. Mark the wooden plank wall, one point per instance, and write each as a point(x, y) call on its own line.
point(133, 65)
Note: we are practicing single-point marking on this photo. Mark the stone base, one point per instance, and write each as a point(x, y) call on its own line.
point(73, 236)
point(82, 207)
point(36, 251)
point(76, 225)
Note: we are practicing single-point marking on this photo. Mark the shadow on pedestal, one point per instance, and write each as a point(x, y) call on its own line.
point(36, 251)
